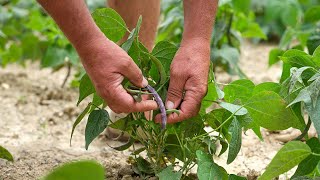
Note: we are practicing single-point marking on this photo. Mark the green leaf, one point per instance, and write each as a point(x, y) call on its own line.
point(242, 5)
point(133, 35)
point(234, 109)
point(274, 55)
point(169, 174)
point(290, 155)
point(214, 93)
point(313, 112)
point(235, 177)
point(54, 56)
point(79, 119)
point(267, 86)
point(165, 52)
point(207, 169)
point(297, 58)
point(312, 14)
point(86, 88)
point(5, 154)
point(229, 54)
point(110, 23)
point(97, 121)
point(312, 43)
point(240, 89)
point(80, 170)
point(310, 163)
point(285, 72)
point(290, 15)
point(268, 110)
point(253, 31)
point(236, 139)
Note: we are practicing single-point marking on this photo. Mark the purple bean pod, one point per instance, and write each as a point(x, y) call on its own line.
point(160, 104)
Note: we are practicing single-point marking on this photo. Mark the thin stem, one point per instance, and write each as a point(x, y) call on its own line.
point(305, 131)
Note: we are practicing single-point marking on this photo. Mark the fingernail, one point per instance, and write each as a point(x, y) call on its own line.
point(169, 105)
point(144, 82)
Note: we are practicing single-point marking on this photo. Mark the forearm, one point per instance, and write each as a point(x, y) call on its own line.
point(74, 19)
point(198, 19)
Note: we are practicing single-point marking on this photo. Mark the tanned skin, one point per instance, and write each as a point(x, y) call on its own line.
point(107, 64)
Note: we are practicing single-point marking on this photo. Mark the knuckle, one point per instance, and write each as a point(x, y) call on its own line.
point(202, 90)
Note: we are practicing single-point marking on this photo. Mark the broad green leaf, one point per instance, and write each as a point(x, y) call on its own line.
point(228, 54)
point(143, 166)
point(313, 112)
point(274, 55)
point(54, 56)
point(268, 110)
point(297, 58)
point(240, 89)
point(253, 31)
point(207, 169)
point(133, 35)
point(5, 154)
point(310, 163)
point(86, 88)
point(165, 52)
point(312, 14)
point(303, 96)
point(110, 23)
point(290, 15)
point(79, 119)
point(235, 130)
point(314, 77)
point(169, 174)
point(234, 109)
point(290, 155)
point(80, 170)
point(316, 55)
point(312, 43)
point(97, 121)
point(267, 86)
point(235, 177)
point(242, 5)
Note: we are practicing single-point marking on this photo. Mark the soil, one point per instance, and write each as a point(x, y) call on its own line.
point(36, 117)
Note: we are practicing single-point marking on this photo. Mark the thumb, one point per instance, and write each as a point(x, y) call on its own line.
point(134, 74)
point(175, 92)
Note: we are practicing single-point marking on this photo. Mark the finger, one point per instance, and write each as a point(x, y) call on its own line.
point(132, 72)
point(124, 103)
point(175, 92)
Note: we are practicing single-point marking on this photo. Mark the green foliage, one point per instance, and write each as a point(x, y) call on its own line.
point(169, 174)
point(80, 170)
point(97, 121)
point(290, 155)
point(5, 154)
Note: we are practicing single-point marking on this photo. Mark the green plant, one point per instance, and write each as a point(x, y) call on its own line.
point(79, 170)
point(5, 154)
point(243, 105)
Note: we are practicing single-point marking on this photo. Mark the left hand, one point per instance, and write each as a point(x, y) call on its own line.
point(188, 79)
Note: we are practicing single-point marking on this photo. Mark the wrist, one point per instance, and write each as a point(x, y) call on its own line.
point(197, 43)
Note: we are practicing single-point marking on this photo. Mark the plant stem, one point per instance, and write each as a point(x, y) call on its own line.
point(305, 131)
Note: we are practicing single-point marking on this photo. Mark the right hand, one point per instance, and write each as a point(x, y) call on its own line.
point(107, 65)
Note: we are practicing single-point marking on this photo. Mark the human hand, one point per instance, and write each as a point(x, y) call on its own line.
point(107, 65)
point(188, 80)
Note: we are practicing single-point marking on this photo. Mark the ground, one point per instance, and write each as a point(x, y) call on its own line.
point(36, 118)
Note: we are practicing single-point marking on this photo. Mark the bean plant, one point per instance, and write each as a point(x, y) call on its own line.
point(170, 151)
